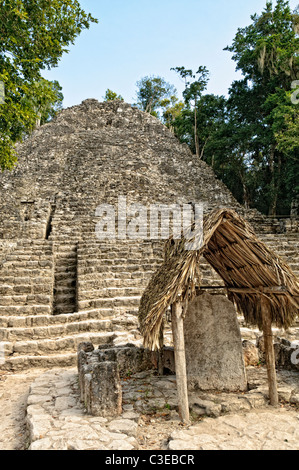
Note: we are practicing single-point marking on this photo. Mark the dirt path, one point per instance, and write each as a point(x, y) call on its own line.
point(14, 390)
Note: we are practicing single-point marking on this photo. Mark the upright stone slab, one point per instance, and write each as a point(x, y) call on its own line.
point(105, 390)
point(213, 345)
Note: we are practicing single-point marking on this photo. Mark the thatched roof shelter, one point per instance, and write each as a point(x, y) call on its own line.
point(249, 269)
point(257, 280)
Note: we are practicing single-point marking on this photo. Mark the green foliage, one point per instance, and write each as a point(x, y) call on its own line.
point(33, 36)
point(171, 110)
point(267, 50)
point(267, 54)
point(112, 96)
point(152, 93)
point(194, 87)
point(251, 139)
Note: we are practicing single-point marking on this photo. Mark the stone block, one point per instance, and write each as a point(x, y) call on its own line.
point(105, 397)
point(214, 355)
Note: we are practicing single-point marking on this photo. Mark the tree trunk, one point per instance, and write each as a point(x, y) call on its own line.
point(161, 351)
point(195, 131)
point(180, 360)
point(269, 352)
point(246, 199)
point(275, 180)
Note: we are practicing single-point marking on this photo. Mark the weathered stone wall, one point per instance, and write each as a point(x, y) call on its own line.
point(99, 373)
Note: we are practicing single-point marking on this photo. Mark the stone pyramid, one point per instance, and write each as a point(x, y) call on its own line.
point(59, 284)
point(91, 154)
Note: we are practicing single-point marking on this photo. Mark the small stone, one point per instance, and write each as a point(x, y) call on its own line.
point(130, 415)
point(125, 426)
point(42, 444)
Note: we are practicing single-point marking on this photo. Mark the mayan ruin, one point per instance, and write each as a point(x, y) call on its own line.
point(61, 286)
point(149, 245)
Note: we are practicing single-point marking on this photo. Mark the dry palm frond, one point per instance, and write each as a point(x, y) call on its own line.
point(242, 261)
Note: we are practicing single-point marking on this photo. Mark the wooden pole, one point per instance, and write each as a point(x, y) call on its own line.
point(269, 352)
point(161, 350)
point(180, 361)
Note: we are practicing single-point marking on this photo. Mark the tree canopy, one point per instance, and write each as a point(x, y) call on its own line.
point(152, 93)
point(112, 96)
point(34, 34)
point(251, 138)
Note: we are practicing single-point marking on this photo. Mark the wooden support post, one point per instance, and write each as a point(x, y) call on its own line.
point(269, 352)
point(180, 361)
point(161, 351)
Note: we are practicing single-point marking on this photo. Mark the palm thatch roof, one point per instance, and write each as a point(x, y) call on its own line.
point(247, 266)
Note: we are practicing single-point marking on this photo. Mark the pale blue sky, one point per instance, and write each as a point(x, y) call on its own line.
point(137, 38)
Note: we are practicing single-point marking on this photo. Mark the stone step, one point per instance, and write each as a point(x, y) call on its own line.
point(66, 268)
point(20, 363)
point(67, 249)
point(132, 301)
point(23, 300)
point(95, 262)
point(282, 248)
point(28, 257)
point(66, 285)
point(65, 296)
point(53, 357)
point(111, 292)
point(65, 277)
point(90, 276)
point(22, 265)
point(21, 272)
point(65, 280)
point(115, 268)
point(12, 290)
point(25, 281)
point(119, 245)
point(33, 321)
point(48, 346)
point(111, 312)
point(105, 282)
point(54, 331)
point(61, 309)
point(58, 327)
point(20, 310)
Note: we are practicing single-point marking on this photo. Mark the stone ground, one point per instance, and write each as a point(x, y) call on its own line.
point(40, 409)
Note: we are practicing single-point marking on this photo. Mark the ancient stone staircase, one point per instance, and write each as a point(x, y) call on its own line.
point(26, 279)
point(65, 279)
point(109, 281)
point(55, 295)
point(112, 276)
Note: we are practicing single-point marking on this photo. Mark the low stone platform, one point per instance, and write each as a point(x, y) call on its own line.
point(57, 419)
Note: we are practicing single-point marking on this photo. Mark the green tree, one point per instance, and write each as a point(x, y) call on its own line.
point(195, 84)
point(46, 99)
point(171, 109)
point(112, 96)
point(151, 93)
point(266, 52)
point(34, 34)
